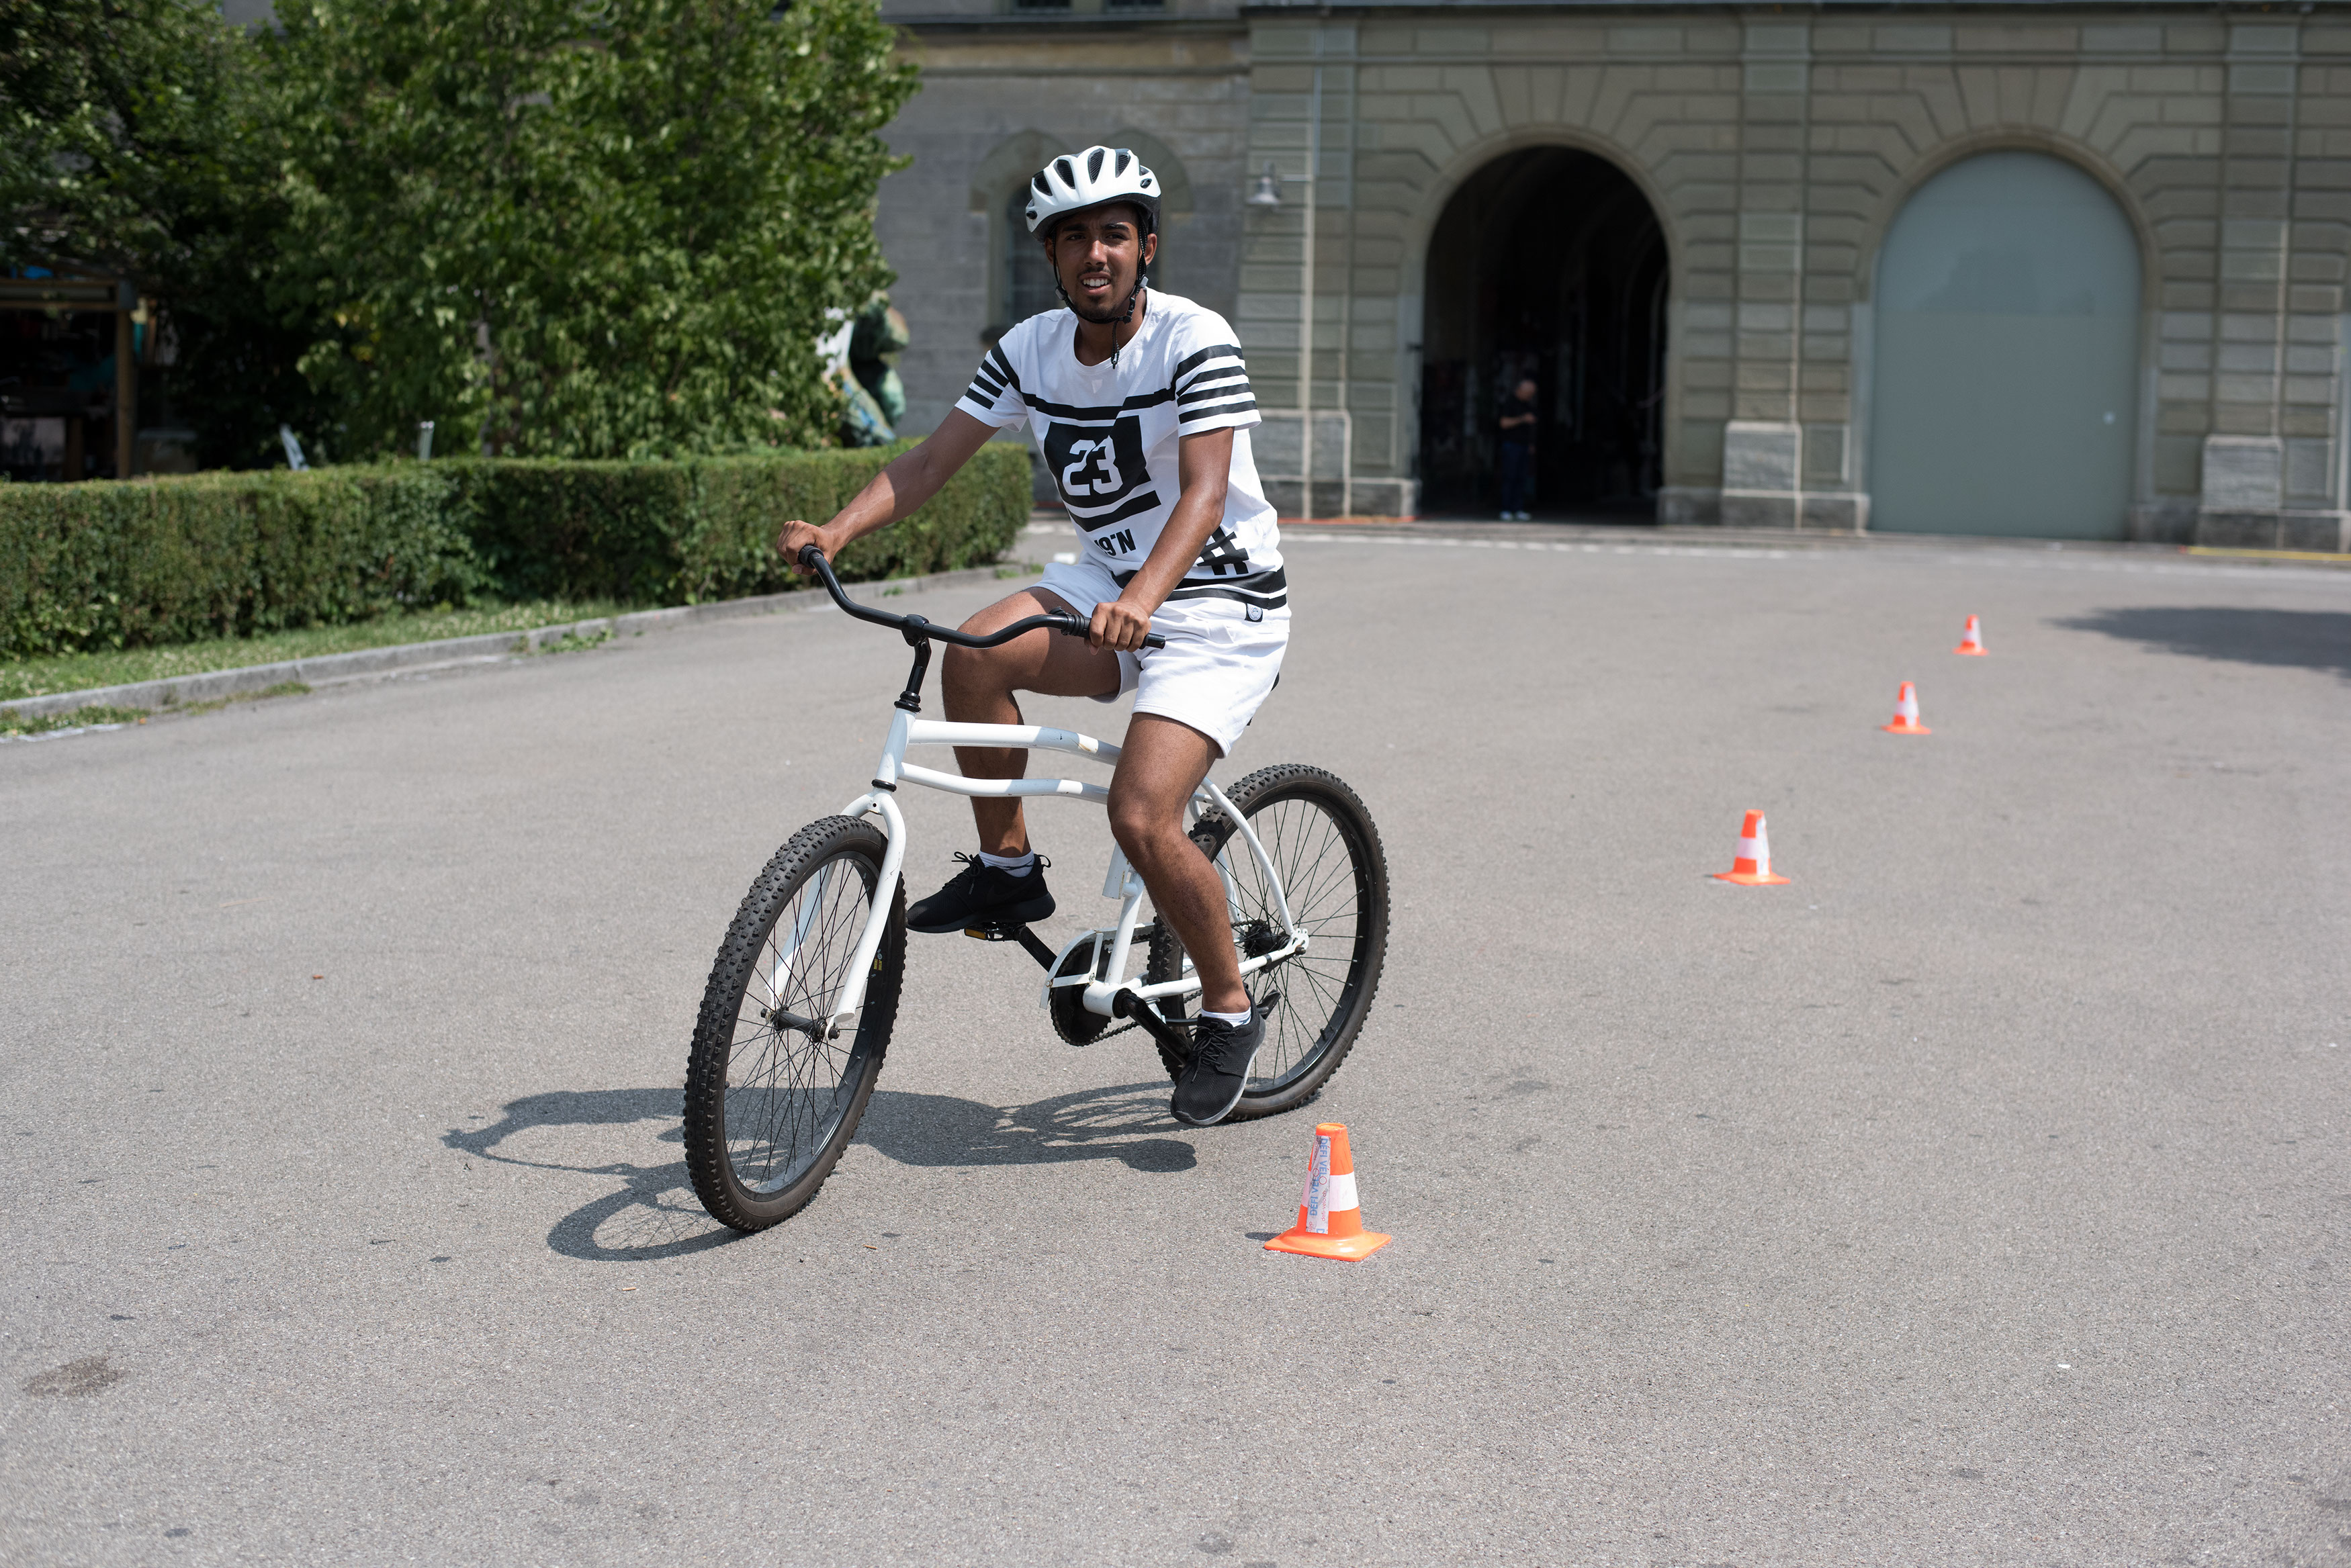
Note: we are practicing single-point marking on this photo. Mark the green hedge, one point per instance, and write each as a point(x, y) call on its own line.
point(104, 565)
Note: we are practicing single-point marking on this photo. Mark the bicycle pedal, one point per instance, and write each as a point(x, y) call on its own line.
point(995, 933)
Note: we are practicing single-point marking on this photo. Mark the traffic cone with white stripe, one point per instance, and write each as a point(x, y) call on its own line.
point(1752, 865)
point(1330, 1220)
point(1906, 714)
point(1972, 642)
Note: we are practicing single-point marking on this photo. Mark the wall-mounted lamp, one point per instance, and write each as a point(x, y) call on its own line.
point(1268, 189)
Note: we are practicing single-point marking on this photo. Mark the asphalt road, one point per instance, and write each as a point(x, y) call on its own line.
point(1981, 1197)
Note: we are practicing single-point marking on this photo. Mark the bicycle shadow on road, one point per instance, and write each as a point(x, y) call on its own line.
point(654, 1213)
point(1110, 1123)
point(2307, 639)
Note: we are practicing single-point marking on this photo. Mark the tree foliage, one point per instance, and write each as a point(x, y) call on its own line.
point(138, 139)
point(578, 228)
point(121, 135)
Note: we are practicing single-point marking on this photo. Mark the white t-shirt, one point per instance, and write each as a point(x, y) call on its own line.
point(1109, 435)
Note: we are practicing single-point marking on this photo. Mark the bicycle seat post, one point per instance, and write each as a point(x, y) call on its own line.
point(917, 635)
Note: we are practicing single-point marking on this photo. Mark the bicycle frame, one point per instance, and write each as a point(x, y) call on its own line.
point(1102, 991)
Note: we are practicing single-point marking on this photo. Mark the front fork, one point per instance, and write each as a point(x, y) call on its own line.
point(885, 893)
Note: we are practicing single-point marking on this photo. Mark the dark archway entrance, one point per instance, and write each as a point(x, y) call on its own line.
point(1548, 263)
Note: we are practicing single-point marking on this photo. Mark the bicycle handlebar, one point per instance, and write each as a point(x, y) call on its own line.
point(812, 558)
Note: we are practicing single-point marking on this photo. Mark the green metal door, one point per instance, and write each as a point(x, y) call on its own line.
point(2007, 362)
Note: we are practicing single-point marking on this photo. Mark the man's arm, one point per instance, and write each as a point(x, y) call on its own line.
point(909, 481)
point(1204, 466)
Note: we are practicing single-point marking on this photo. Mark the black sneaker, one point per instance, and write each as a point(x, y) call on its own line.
point(1222, 1054)
point(980, 895)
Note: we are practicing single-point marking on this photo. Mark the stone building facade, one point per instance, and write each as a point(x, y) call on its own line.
point(2050, 269)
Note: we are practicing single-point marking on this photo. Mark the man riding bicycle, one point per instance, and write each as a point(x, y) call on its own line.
point(1142, 406)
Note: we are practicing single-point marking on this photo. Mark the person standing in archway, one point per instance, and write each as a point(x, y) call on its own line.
point(1518, 450)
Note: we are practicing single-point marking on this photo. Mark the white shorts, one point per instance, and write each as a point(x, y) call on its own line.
point(1218, 665)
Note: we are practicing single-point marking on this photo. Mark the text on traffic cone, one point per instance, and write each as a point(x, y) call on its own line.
point(1751, 868)
point(1330, 1220)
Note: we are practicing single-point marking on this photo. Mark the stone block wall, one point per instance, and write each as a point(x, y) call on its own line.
point(1776, 150)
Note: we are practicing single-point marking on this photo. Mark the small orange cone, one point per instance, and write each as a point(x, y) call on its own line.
point(1906, 714)
point(1973, 642)
point(1330, 1221)
point(1752, 865)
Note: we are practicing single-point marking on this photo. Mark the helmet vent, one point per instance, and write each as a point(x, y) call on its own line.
point(1089, 178)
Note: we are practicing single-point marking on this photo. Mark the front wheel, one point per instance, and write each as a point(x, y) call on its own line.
point(1328, 857)
point(771, 1096)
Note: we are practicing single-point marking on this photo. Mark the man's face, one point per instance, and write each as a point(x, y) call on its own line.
point(1096, 254)
point(1526, 391)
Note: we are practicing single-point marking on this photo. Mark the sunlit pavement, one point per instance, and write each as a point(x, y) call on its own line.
point(1979, 1197)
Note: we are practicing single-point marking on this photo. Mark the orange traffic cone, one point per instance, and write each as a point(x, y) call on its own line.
point(1906, 714)
point(1973, 642)
point(1752, 866)
point(1330, 1221)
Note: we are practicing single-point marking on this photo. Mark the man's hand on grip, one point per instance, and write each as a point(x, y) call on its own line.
point(1119, 626)
point(797, 536)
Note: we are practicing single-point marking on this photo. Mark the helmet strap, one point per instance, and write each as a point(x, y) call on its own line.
point(1125, 317)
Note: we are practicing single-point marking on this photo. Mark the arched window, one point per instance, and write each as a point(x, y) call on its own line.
point(1027, 281)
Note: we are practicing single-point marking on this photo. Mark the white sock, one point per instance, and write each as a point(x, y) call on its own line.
point(1236, 1018)
point(1019, 864)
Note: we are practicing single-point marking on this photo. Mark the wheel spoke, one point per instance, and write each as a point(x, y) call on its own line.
point(785, 1091)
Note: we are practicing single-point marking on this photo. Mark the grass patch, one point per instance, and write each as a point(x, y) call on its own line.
point(283, 689)
point(572, 643)
point(79, 719)
point(82, 671)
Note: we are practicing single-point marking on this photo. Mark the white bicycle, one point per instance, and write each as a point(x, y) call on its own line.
point(797, 1016)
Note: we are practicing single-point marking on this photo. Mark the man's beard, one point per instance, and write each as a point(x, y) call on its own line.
point(1110, 317)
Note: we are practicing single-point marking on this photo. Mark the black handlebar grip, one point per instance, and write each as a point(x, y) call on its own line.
point(1069, 625)
point(809, 554)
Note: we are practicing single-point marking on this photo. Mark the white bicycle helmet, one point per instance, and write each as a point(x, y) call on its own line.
point(1077, 181)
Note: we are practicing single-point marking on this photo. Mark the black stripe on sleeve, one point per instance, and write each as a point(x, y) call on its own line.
point(1205, 354)
point(1206, 387)
point(1191, 417)
point(994, 359)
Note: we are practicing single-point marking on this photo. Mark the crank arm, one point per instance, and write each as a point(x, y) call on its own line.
point(1028, 939)
point(1126, 1005)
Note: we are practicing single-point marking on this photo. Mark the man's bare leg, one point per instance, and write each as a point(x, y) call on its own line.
point(977, 685)
point(1162, 762)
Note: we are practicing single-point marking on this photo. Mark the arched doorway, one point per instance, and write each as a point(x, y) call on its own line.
point(1548, 263)
point(2007, 364)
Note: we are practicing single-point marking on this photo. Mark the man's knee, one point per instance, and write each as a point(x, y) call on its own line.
point(972, 668)
point(1144, 830)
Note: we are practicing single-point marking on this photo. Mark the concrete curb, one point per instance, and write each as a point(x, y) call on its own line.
point(369, 663)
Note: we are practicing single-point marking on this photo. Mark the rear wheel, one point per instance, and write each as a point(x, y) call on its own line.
point(771, 1097)
point(1328, 856)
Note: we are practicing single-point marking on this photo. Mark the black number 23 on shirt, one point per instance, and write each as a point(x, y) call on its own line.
point(1094, 466)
